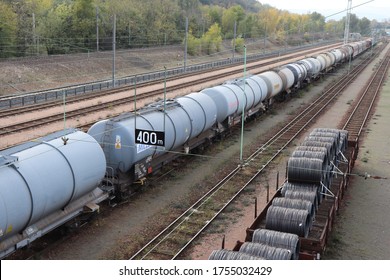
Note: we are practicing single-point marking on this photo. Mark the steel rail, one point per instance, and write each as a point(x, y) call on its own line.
point(368, 94)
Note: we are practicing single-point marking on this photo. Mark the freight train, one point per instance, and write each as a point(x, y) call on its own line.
point(49, 181)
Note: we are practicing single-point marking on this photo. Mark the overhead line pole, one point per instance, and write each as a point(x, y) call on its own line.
point(97, 29)
point(243, 111)
point(347, 22)
point(185, 46)
point(113, 50)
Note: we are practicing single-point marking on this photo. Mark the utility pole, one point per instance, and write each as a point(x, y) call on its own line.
point(234, 38)
point(97, 29)
point(243, 111)
point(348, 19)
point(113, 50)
point(34, 35)
point(185, 47)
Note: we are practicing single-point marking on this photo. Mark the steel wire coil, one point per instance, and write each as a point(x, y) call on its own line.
point(305, 170)
point(295, 204)
point(308, 195)
point(325, 132)
point(231, 255)
point(334, 145)
point(288, 220)
point(278, 239)
point(314, 149)
point(326, 145)
point(302, 187)
point(336, 135)
point(265, 251)
point(321, 155)
point(343, 136)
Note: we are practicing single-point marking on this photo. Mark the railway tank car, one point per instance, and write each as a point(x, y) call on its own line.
point(45, 183)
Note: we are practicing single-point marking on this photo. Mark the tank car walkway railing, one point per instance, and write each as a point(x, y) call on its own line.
point(180, 234)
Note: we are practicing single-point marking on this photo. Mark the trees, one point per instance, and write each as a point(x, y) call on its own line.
point(64, 26)
point(8, 28)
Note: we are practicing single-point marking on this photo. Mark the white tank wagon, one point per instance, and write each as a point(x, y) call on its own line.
point(339, 55)
point(274, 83)
point(313, 67)
point(300, 73)
point(324, 60)
point(45, 183)
point(233, 97)
point(287, 77)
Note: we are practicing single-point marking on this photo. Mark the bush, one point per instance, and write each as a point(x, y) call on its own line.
point(240, 43)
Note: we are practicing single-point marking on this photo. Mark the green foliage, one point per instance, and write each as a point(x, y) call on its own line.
point(8, 27)
point(229, 17)
point(193, 45)
point(211, 41)
point(31, 27)
point(239, 44)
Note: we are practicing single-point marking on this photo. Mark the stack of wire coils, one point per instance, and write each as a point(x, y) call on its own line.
point(309, 176)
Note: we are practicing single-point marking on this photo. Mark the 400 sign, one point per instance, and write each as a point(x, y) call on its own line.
point(150, 137)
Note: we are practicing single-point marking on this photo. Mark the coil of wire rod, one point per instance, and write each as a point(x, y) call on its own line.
point(265, 251)
point(288, 220)
point(295, 204)
point(311, 154)
point(314, 149)
point(304, 195)
point(302, 187)
point(331, 130)
point(334, 145)
point(305, 170)
point(336, 135)
point(278, 239)
point(231, 255)
point(328, 146)
point(327, 132)
point(333, 135)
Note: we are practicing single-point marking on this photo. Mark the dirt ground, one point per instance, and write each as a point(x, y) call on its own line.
point(117, 230)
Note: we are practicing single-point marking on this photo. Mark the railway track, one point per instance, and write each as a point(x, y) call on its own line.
point(28, 124)
point(179, 235)
point(46, 104)
point(362, 110)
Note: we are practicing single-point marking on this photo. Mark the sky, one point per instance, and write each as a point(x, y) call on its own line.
point(376, 9)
